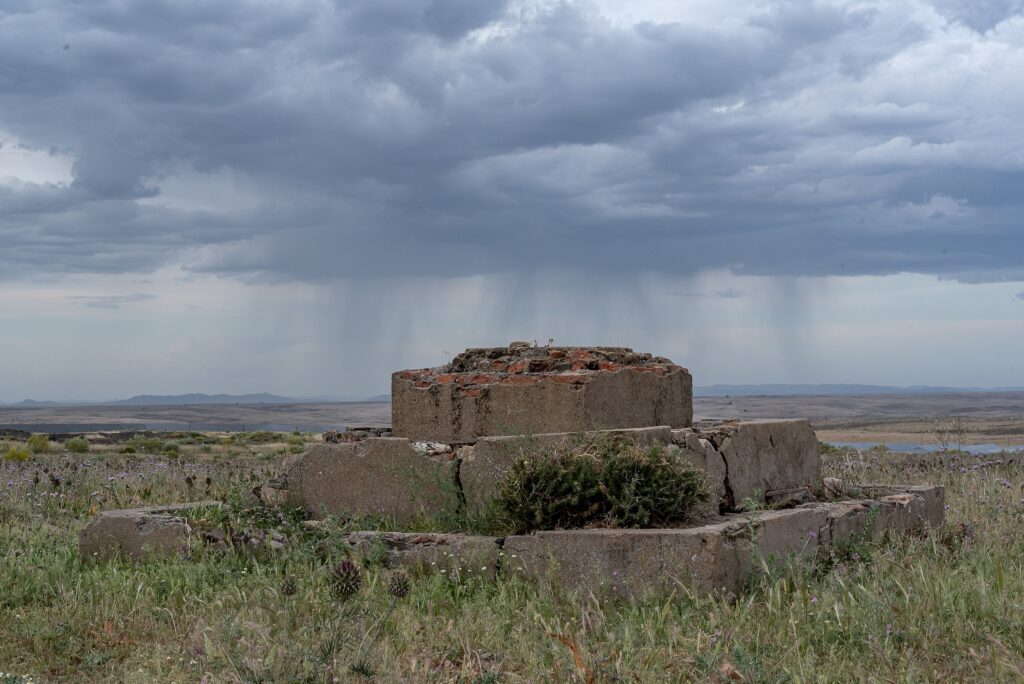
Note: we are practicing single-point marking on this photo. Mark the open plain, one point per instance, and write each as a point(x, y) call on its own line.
point(257, 590)
point(989, 417)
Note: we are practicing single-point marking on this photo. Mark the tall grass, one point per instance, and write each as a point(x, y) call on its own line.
point(946, 606)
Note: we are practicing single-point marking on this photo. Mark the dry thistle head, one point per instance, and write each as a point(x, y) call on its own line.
point(399, 584)
point(289, 587)
point(346, 579)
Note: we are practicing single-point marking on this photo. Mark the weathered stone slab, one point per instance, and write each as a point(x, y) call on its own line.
point(699, 451)
point(898, 508)
point(382, 476)
point(526, 390)
point(717, 556)
point(786, 534)
point(453, 554)
point(139, 533)
point(631, 562)
point(485, 463)
point(765, 456)
point(926, 509)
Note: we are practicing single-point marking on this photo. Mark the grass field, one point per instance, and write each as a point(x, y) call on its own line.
point(947, 606)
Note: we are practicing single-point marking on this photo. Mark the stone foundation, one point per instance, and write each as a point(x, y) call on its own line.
point(526, 390)
point(746, 464)
point(715, 557)
point(459, 429)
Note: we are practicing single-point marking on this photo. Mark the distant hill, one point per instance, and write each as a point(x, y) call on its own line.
point(189, 399)
point(830, 390)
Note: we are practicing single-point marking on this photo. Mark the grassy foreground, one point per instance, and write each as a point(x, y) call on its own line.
point(948, 606)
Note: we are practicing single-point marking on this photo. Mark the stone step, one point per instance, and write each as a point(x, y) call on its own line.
point(140, 533)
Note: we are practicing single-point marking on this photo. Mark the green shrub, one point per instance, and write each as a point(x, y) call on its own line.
point(560, 491)
point(77, 445)
point(646, 488)
point(39, 444)
point(151, 445)
point(16, 454)
point(600, 484)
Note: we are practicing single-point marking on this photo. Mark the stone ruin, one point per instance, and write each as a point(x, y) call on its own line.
point(458, 429)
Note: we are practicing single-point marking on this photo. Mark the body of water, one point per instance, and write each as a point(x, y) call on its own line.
point(919, 448)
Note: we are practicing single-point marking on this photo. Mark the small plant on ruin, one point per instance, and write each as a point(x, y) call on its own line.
point(562, 491)
point(77, 445)
point(600, 484)
point(646, 488)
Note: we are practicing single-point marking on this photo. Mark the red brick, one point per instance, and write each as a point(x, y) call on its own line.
point(445, 378)
point(517, 367)
point(556, 354)
point(523, 379)
point(422, 384)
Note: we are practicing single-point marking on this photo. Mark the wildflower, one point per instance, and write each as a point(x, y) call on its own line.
point(399, 584)
point(346, 579)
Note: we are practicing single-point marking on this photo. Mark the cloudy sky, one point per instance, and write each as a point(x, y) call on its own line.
point(299, 196)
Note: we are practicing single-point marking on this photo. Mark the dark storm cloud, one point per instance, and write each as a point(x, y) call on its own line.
point(313, 141)
point(980, 15)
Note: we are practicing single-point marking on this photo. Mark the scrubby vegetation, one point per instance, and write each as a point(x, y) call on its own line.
point(605, 483)
point(16, 453)
point(945, 606)
point(39, 444)
point(77, 445)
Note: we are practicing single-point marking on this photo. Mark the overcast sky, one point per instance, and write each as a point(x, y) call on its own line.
point(300, 196)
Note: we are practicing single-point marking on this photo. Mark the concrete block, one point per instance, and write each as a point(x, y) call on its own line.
point(716, 556)
point(630, 562)
point(763, 456)
point(485, 463)
point(139, 533)
point(925, 507)
point(377, 476)
point(786, 534)
point(700, 452)
point(897, 508)
point(452, 554)
point(524, 390)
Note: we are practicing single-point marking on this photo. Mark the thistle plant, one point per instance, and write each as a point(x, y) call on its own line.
point(346, 580)
point(399, 586)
